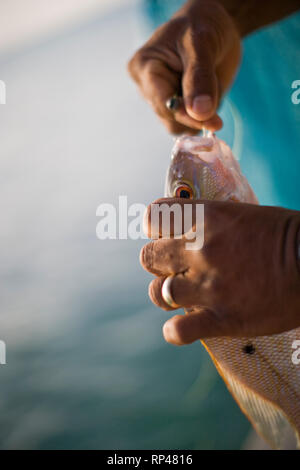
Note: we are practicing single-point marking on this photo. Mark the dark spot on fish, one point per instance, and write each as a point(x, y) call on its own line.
point(249, 349)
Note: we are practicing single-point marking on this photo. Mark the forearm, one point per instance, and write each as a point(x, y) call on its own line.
point(250, 15)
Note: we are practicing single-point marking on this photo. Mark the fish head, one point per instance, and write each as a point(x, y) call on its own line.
point(203, 167)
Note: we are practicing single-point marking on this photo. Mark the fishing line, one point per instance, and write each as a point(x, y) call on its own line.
point(237, 130)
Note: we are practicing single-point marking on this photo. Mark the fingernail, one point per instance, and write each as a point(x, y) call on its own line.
point(202, 104)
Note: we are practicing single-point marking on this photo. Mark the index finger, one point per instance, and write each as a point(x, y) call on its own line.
point(158, 83)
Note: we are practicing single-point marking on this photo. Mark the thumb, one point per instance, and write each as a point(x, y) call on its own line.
point(185, 329)
point(200, 87)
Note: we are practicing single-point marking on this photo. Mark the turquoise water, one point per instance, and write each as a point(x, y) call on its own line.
point(87, 366)
point(270, 121)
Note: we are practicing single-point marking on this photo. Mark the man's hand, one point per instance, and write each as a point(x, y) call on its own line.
point(197, 54)
point(245, 281)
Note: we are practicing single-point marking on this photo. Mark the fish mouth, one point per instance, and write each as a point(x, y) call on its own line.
point(193, 145)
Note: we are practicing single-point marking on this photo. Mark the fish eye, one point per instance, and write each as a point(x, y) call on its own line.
point(184, 191)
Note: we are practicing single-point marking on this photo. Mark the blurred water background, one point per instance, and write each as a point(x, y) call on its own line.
point(87, 366)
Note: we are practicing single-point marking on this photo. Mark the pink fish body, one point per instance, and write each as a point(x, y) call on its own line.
point(259, 372)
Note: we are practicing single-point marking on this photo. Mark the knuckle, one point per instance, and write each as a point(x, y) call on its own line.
point(146, 256)
point(136, 59)
point(155, 293)
point(130, 66)
point(135, 64)
point(172, 254)
point(169, 255)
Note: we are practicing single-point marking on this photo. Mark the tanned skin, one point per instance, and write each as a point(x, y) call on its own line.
point(197, 54)
point(246, 279)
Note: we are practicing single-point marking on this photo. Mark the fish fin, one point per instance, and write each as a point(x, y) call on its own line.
point(268, 420)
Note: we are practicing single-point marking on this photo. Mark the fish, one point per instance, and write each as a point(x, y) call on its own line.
point(258, 372)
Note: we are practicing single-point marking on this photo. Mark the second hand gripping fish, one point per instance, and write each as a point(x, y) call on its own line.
point(258, 372)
